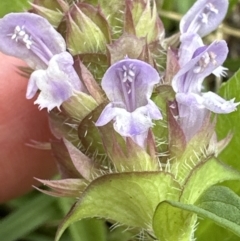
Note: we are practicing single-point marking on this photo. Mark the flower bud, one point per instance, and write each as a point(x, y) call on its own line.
point(50, 10)
point(143, 21)
point(87, 30)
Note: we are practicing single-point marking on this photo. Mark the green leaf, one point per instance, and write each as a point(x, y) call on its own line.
point(232, 4)
point(232, 64)
point(205, 175)
point(171, 223)
point(218, 203)
point(183, 7)
point(85, 230)
point(167, 6)
point(127, 198)
point(230, 122)
point(207, 230)
point(90, 230)
point(28, 217)
point(37, 237)
point(13, 6)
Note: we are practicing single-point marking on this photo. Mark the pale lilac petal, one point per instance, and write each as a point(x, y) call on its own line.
point(189, 43)
point(125, 123)
point(54, 84)
point(131, 124)
point(30, 37)
point(204, 16)
point(191, 113)
point(32, 88)
point(220, 71)
point(189, 99)
point(205, 60)
point(191, 118)
point(130, 81)
point(217, 104)
point(53, 90)
point(108, 113)
point(140, 139)
point(62, 64)
point(134, 125)
point(153, 111)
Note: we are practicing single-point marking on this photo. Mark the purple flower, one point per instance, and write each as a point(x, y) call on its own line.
point(204, 17)
point(30, 37)
point(33, 39)
point(187, 83)
point(57, 83)
point(128, 84)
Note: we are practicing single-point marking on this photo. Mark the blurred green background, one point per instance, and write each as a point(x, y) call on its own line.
point(35, 216)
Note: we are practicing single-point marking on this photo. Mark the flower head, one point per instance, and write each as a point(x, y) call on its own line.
point(187, 83)
point(30, 37)
point(204, 16)
point(128, 84)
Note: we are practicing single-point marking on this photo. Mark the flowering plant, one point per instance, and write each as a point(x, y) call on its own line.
point(137, 141)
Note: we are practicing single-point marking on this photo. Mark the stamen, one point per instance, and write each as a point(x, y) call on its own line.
point(213, 56)
point(197, 70)
point(202, 63)
point(128, 74)
point(130, 79)
point(131, 73)
point(211, 8)
point(208, 10)
point(21, 35)
point(31, 42)
point(27, 39)
point(124, 68)
point(208, 57)
point(204, 18)
point(128, 85)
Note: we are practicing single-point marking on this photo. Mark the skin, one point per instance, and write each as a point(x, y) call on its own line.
point(20, 122)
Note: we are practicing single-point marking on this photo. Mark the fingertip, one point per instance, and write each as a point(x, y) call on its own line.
point(20, 122)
